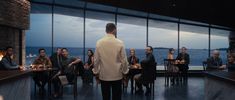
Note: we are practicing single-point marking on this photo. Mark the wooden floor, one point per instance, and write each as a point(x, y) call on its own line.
point(193, 90)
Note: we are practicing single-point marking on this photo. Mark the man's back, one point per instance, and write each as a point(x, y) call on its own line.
point(111, 59)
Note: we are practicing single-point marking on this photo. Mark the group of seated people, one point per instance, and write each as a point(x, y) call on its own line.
point(60, 61)
point(65, 65)
point(215, 62)
point(71, 66)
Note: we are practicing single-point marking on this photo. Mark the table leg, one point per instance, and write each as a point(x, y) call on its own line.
point(49, 85)
point(132, 82)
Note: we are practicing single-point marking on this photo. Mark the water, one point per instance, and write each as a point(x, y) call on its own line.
point(196, 55)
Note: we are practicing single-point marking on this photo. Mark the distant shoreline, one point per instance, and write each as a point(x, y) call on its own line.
point(222, 49)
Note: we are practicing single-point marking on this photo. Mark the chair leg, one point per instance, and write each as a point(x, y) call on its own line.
point(75, 90)
point(153, 88)
point(35, 88)
point(62, 90)
point(135, 87)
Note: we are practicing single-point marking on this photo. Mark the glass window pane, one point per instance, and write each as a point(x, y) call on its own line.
point(39, 34)
point(220, 41)
point(162, 36)
point(132, 31)
point(195, 39)
point(68, 30)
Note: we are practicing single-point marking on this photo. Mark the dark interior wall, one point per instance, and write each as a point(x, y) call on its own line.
point(14, 19)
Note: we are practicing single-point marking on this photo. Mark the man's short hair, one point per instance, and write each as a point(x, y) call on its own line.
point(184, 48)
point(64, 49)
point(8, 47)
point(41, 49)
point(216, 52)
point(151, 48)
point(110, 27)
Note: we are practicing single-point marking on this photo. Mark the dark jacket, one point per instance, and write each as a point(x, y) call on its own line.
point(214, 63)
point(56, 61)
point(185, 57)
point(148, 68)
point(231, 67)
point(132, 62)
point(7, 64)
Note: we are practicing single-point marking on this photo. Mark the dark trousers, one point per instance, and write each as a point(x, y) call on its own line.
point(184, 72)
point(140, 82)
point(56, 84)
point(87, 76)
point(40, 79)
point(114, 86)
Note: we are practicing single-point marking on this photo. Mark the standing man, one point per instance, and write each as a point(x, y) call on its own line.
point(110, 63)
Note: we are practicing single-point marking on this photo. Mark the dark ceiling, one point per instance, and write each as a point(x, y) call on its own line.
point(218, 12)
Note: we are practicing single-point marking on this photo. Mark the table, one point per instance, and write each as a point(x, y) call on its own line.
point(50, 70)
point(15, 84)
point(132, 73)
point(219, 85)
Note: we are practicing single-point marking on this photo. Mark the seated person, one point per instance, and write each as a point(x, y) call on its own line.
point(56, 59)
point(69, 67)
point(134, 64)
point(56, 63)
point(183, 61)
point(148, 72)
point(133, 60)
point(215, 62)
point(88, 74)
point(41, 78)
point(7, 62)
point(170, 65)
point(231, 62)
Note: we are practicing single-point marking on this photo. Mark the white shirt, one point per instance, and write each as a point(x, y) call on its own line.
point(110, 60)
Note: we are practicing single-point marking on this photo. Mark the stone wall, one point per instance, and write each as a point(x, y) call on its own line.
point(14, 20)
point(15, 13)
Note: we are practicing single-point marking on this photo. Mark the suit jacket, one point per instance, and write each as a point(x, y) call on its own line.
point(148, 68)
point(56, 61)
point(186, 57)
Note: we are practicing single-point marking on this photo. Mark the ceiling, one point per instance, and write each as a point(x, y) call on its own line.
point(217, 12)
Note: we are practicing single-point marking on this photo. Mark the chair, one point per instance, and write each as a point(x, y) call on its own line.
point(75, 69)
point(152, 83)
point(167, 72)
point(204, 64)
